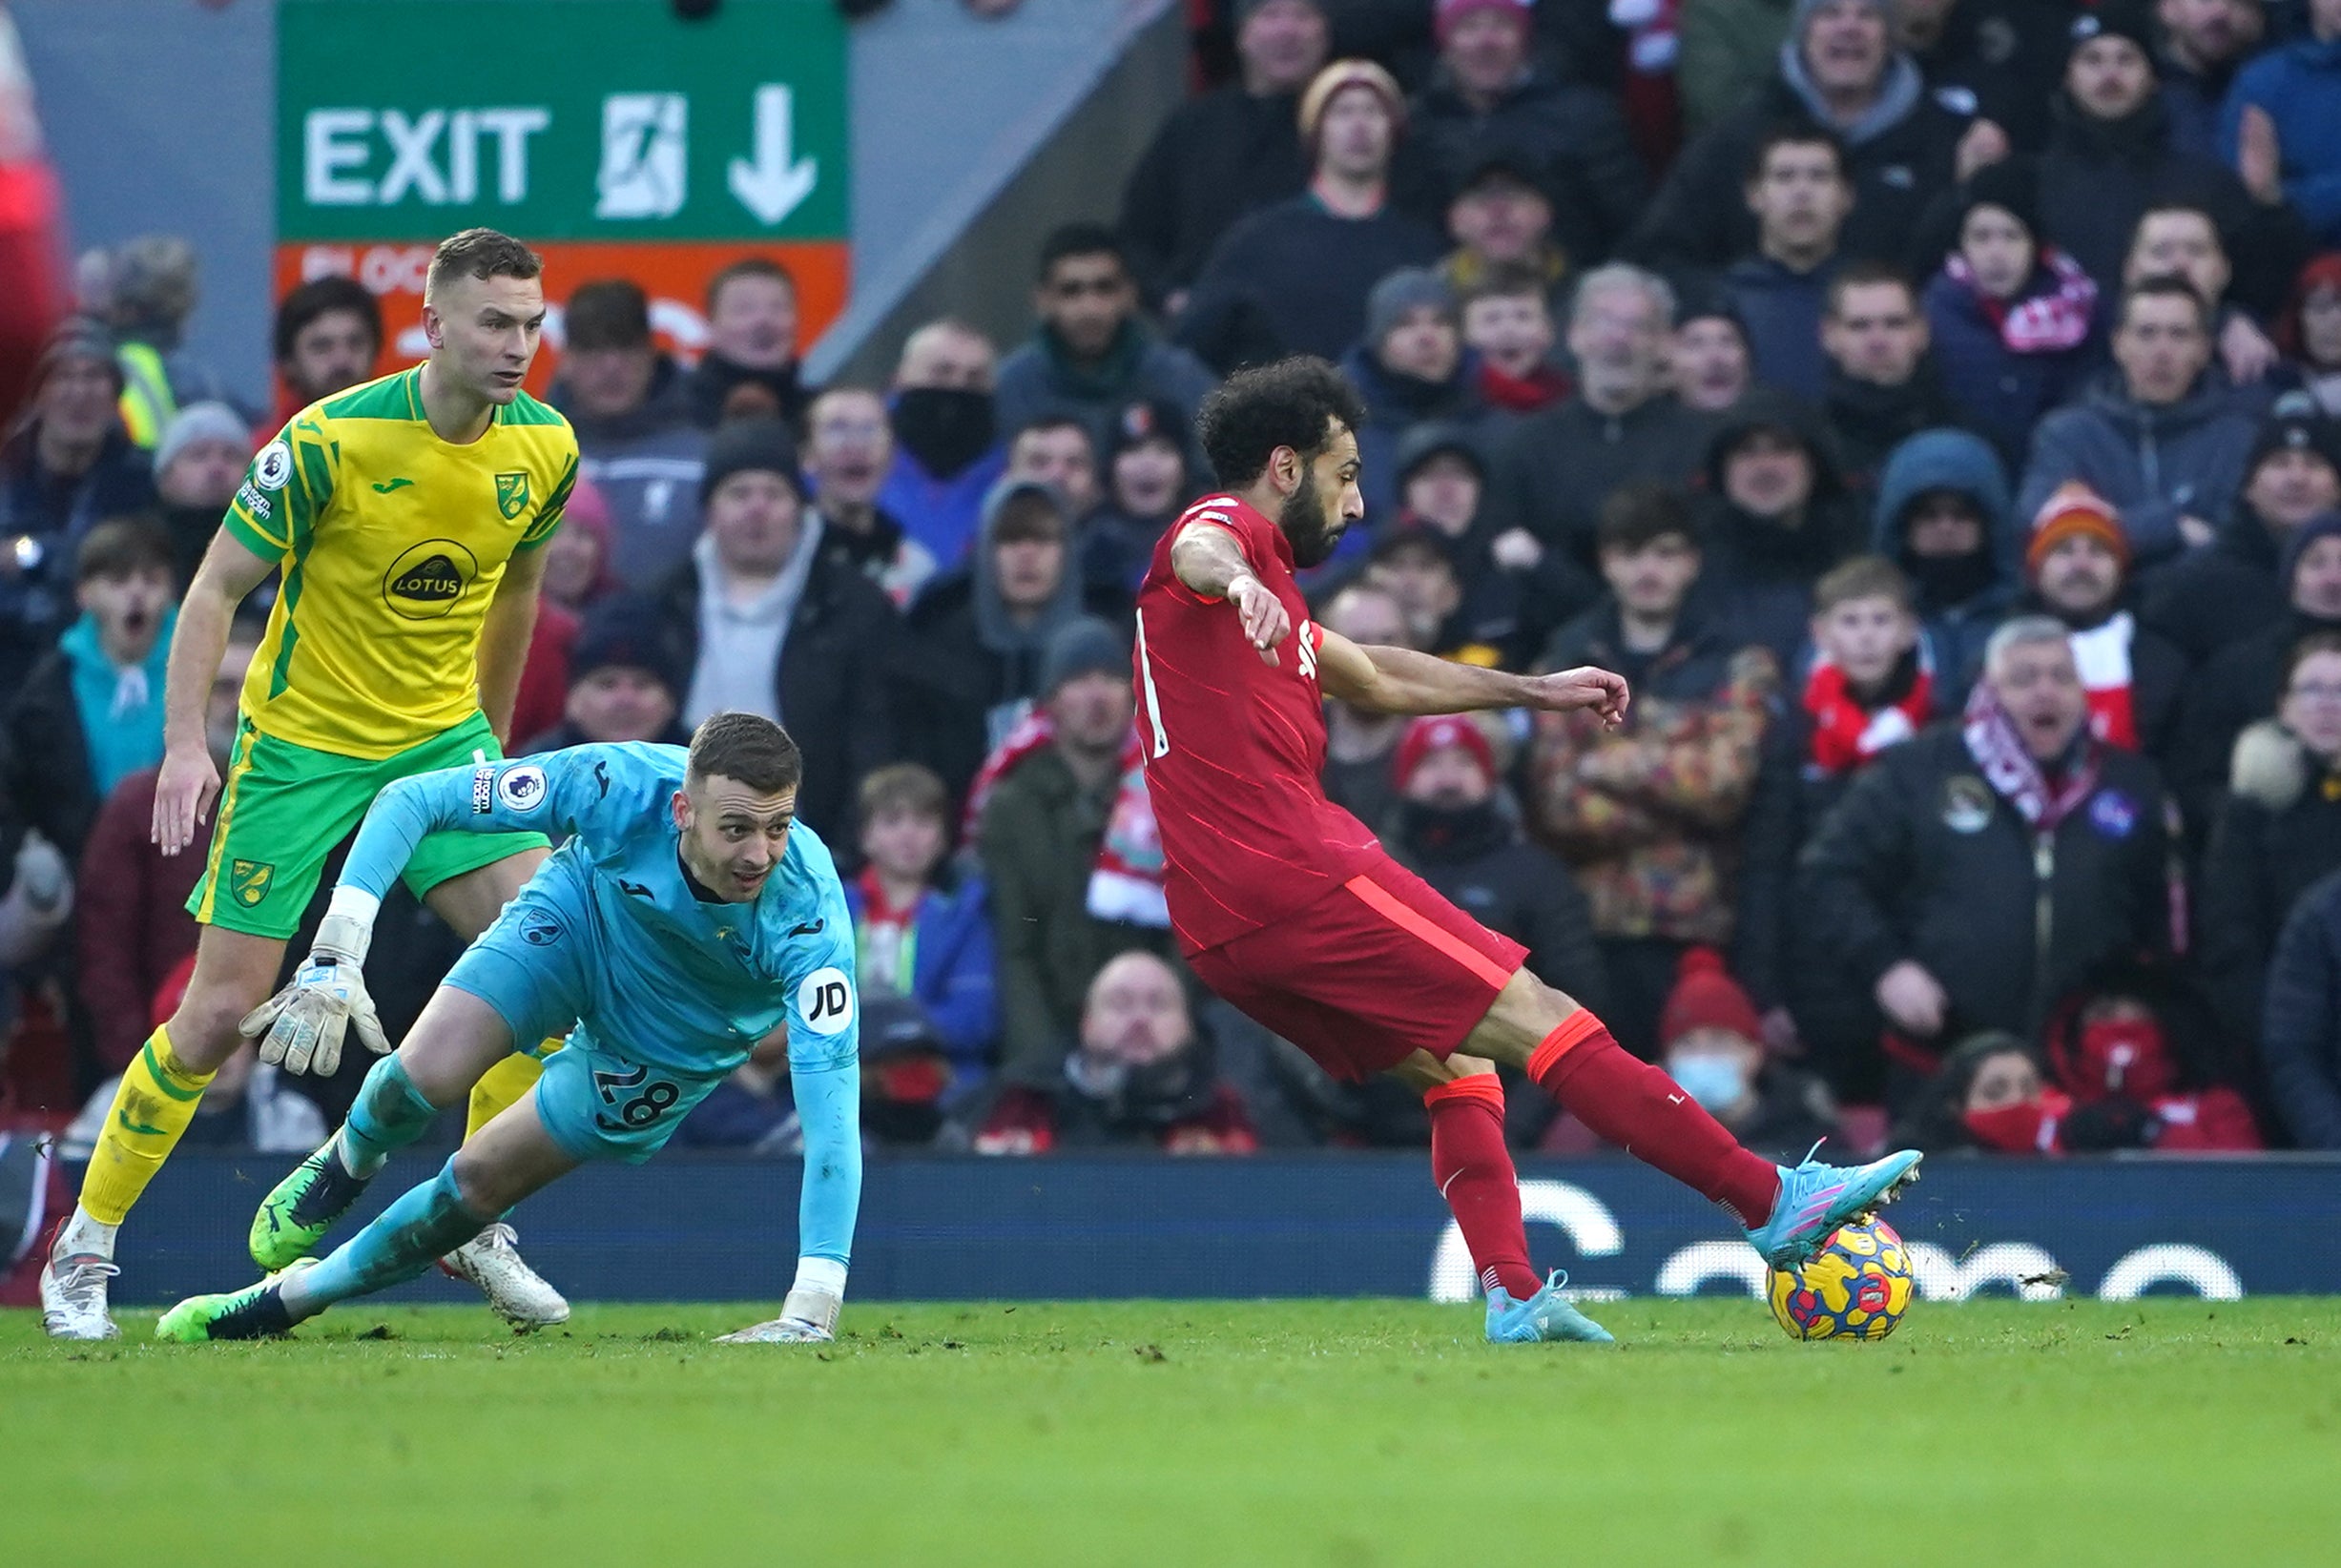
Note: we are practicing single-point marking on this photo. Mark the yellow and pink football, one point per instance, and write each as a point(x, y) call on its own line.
point(1856, 1286)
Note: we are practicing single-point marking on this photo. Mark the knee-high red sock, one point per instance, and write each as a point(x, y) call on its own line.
point(1474, 1175)
point(1638, 1109)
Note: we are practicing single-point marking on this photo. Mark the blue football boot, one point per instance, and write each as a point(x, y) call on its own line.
point(1815, 1199)
point(1543, 1316)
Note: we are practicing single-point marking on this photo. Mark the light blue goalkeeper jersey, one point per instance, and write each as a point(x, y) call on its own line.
point(688, 985)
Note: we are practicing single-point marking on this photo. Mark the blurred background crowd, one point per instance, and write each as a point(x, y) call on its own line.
point(1929, 405)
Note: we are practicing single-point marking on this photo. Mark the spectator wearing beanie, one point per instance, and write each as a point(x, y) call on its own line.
point(199, 463)
point(2244, 681)
point(2281, 124)
point(636, 440)
point(2077, 569)
point(2224, 594)
point(979, 638)
point(1459, 829)
point(2014, 320)
point(1058, 813)
point(1713, 363)
point(622, 681)
point(2111, 156)
point(2162, 443)
point(1776, 518)
point(66, 468)
point(1226, 153)
point(1488, 93)
point(1942, 516)
point(1294, 276)
point(1411, 369)
point(1710, 1041)
point(1839, 72)
point(767, 622)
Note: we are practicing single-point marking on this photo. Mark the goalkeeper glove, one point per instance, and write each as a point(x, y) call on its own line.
point(300, 1027)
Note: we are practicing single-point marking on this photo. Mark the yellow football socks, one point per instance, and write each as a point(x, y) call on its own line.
point(150, 1111)
point(503, 1084)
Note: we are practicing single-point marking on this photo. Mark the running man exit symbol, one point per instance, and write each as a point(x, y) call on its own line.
point(643, 156)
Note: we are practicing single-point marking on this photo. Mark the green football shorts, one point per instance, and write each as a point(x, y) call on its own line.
point(284, 808)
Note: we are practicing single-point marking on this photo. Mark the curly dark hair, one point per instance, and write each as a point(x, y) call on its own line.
point(1293, 403)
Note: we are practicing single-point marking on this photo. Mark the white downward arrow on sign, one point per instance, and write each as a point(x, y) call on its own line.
point(772, 185)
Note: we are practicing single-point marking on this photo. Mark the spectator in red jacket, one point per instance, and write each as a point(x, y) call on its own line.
point(133, 897)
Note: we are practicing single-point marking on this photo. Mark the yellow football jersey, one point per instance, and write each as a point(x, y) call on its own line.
point(392, 542)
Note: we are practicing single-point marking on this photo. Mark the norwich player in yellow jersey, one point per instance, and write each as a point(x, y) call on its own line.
point(405, 515)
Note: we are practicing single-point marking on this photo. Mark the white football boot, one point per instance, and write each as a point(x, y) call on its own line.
point(74, 1296)
point(520, 1296)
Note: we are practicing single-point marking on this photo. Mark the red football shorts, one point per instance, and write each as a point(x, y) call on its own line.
point(1369, 974)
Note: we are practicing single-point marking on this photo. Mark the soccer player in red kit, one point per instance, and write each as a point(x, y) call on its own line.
point(1286, 907)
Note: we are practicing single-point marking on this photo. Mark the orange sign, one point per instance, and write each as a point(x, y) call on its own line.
point(674, 275)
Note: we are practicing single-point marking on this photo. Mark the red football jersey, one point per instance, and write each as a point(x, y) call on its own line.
point(1234, 746)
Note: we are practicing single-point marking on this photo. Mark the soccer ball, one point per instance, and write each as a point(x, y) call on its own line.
point(1856, 1286)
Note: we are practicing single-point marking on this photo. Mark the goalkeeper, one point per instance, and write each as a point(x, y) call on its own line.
point(685, 919)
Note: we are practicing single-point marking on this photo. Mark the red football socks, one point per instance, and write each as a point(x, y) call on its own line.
point(1638, 1109)
point(1474, 1175)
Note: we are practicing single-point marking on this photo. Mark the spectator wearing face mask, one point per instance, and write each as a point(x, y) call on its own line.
point(1146, 468)
point(2014, 320)
point(749, 367)
point(2077, 569)
point(2277, 831)
point(946, 450)
point(1410, 369)
point(132, 903)
point(1973, 876)
point(622, 682)
point(199, 463)
point(981, 636)
point(1987, 1097)
point(2244, 681)
point(2219, 596)
point(1942, 518)
point(91, 713)
point(1710, 1041)
point(636, 438)
point(1091, 355)
point(1711, 361)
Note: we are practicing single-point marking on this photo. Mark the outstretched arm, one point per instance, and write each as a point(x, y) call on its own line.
point(1398, 680)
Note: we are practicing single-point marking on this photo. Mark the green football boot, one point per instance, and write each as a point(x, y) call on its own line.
point(294, 1218)
point(257, 1312)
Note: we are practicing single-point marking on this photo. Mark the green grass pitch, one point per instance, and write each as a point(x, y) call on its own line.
point(1349, 1433)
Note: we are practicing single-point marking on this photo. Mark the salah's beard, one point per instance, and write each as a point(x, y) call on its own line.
point(1303, 518)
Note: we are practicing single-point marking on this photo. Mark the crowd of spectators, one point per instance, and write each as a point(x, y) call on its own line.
point(1933, 407)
